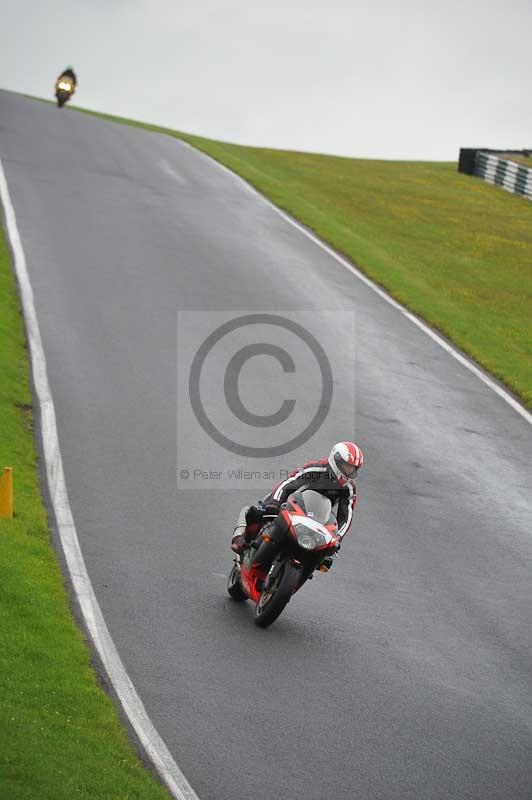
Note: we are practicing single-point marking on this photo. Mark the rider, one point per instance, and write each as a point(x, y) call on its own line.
point(69, 73)
point(334, 477)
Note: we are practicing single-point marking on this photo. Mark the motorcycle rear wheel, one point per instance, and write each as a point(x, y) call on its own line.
point(273, 600)
point(234, 587)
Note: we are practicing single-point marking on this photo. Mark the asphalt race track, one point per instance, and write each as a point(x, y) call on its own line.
point(403, 673)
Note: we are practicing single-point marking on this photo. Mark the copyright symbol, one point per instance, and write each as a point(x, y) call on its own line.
point(184, 474)
point(230, 385)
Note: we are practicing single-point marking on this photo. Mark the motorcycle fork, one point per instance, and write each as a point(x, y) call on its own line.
point(268, 544)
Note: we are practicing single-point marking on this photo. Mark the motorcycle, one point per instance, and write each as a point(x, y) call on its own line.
point(64, 89)
point(286, 551)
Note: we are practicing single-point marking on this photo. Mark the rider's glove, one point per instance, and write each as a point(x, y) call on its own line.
point(254, 515)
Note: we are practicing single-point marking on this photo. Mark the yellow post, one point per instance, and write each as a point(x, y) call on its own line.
point(6, 493)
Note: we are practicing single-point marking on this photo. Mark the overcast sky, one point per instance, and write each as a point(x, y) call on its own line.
point(407, 79)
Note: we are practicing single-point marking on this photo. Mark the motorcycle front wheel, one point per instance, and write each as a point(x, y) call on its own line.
point(277, 594)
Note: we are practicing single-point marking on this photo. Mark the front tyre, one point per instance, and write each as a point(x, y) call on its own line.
point(277, 594)
point(234, 587)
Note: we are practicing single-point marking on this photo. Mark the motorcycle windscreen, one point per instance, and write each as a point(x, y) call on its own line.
point(314, 504)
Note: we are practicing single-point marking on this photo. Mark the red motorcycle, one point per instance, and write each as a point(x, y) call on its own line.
point(284, 554)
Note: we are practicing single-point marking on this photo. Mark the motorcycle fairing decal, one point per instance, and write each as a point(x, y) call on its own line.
point(286, 517)
point(294, 507)
point(249, 577)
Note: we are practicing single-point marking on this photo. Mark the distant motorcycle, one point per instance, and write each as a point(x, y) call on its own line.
point(302, 538)
point(64, 89)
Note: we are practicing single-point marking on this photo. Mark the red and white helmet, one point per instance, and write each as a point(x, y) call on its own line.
point(345, 459)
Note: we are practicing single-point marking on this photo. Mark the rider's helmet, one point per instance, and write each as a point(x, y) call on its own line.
point(345, 460)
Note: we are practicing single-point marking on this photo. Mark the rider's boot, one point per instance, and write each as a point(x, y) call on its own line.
point(245, 530)
point(238, 542)
point(240, 534)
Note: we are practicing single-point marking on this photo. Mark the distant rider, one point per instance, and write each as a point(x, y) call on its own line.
point(68, 73)
point(334, 477)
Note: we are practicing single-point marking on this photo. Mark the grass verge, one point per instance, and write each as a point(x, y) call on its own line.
point(60, 736)
point(453, 249)
point(526, 161)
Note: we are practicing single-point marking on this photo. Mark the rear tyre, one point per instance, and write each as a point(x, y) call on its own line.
point(273, 600)
point(233, 585)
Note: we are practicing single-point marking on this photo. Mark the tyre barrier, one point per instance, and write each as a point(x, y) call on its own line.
point(497, 167)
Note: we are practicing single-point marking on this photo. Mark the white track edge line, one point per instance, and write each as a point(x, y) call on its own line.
point(466, 362)
point(153, 745)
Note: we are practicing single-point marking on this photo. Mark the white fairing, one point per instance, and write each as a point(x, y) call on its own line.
point(298, 519)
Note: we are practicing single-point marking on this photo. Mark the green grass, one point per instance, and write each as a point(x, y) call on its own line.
point(60, 736)
point(453, 249)
point(526, 161)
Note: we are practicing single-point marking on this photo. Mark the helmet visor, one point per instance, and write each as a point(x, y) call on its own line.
point(347, 470)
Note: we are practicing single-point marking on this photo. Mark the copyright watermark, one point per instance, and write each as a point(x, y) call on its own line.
point(260, 392)
point(239, 474)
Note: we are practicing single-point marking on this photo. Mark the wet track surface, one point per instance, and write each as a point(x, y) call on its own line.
point(405, 672)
